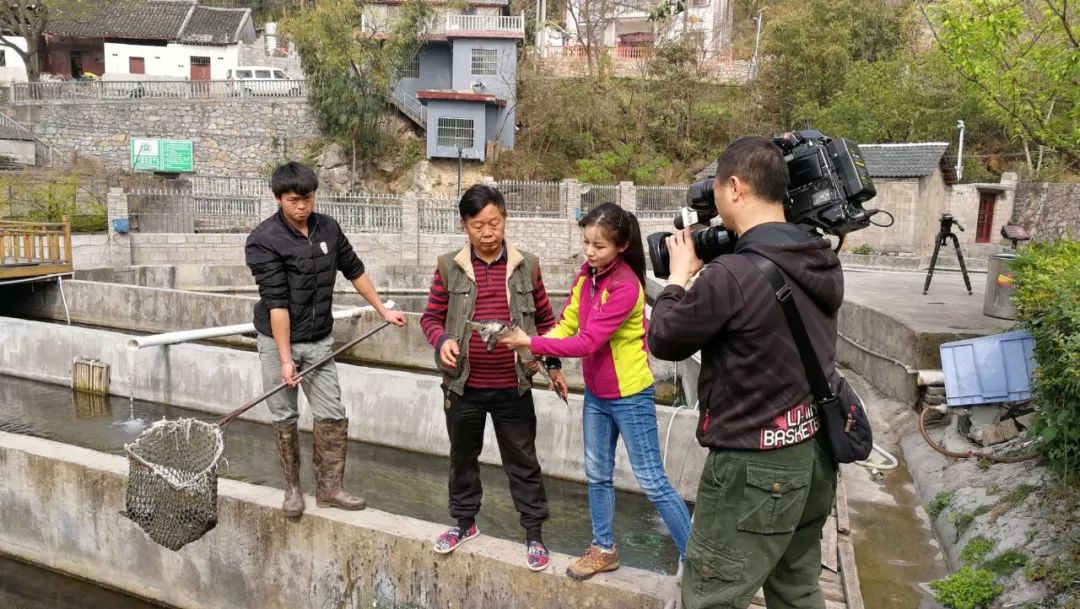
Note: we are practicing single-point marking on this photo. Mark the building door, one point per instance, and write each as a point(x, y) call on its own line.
point(200, 68)
point(985, 224)
point(136, 65)
point(76, 64)
point(200, 76)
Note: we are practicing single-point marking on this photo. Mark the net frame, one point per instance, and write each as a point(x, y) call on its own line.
point(172, 480)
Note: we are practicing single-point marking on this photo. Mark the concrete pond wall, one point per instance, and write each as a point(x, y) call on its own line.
point(61, 508)
point(389, 407)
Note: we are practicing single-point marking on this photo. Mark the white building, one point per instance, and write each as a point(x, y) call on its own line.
point(12, 66)
point(143, 39)
point(629, 34)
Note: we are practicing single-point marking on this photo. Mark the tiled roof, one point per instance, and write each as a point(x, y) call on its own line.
point(903, 160)
point(214, 25)
point(136, 19)
point(888, 160)
point(179, 20)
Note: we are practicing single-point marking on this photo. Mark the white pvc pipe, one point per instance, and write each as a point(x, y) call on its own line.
point(183, 336)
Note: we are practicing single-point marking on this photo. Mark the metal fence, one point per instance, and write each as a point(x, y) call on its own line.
point(98, 90)
point(659, 201)
point(182, 211)
point(363, 213)
point(593, 195)
point(534, 199)
point(439, 216)
point(230, 185)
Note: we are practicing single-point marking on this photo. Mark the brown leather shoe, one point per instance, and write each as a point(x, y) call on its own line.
point(594, 561)
point(288, 449)
point(330, 442)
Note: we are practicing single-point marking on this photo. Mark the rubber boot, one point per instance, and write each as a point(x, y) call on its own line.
point(330, 442)
point(288, 448)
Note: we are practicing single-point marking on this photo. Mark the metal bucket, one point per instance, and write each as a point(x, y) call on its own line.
point(997, 301)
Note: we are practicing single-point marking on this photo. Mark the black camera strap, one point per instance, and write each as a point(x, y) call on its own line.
point(814, 374)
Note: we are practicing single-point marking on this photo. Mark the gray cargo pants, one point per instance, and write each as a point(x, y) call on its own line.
point(321, 386)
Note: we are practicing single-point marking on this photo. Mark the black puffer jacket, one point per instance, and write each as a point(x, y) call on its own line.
point(298, 272)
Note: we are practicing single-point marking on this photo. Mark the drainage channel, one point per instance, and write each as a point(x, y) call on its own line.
point(25, 586)
point(392, 480)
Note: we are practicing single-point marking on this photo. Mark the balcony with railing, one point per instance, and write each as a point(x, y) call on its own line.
point(511, 26)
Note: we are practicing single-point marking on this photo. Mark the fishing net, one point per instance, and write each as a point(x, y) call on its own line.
point(172, 480)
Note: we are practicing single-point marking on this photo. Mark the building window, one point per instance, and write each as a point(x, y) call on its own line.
point(412, 69)
point(485, 62)
point(455, 132)
point(3, 58)
point(136, 65)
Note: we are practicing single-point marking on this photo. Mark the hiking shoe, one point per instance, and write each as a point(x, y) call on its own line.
point(452, 538)
point(594, 561)
point(537, 557)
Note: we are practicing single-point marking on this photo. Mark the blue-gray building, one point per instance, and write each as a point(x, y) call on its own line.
point(462, 86)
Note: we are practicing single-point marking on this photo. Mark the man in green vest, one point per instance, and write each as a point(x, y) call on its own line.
point(489, 279)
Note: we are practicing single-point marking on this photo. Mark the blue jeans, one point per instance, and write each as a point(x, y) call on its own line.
point(634, 418)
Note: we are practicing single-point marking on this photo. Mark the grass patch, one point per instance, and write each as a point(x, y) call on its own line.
point(967, 589)
point(976, 549)
point(939, 503)
point(1059, 574)
point(1006, 563)
point(993, 489)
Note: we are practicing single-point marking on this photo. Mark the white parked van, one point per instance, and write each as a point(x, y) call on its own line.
point(264, 80)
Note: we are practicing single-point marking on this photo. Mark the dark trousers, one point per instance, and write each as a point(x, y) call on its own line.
point(514, 419)
point(757, 524)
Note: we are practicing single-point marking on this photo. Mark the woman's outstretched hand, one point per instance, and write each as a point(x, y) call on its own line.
point(516, 339)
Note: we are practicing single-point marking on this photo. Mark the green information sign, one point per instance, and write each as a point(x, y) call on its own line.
point(168, 156)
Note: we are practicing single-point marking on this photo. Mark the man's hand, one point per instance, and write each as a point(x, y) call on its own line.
point(449, 353)
point(395, 317)
point(558, 383)
point(288, 373)
point(684, 261)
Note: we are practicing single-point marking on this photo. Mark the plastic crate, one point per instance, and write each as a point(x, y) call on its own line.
point(989, 369)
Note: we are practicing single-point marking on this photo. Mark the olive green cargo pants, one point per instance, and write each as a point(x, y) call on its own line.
point(757, 524)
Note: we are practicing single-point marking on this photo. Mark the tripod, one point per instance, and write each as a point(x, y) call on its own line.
point(944, 234)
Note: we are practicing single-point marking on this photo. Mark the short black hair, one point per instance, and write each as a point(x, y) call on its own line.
point(479, 196)
point(294, 177)
point(758, 162)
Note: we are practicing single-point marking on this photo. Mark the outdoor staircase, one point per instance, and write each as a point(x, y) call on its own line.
point(46, 155)
point(410, 107)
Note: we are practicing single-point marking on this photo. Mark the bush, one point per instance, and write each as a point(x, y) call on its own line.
point(1007, 562)
point(940, 502)
point(967, 589)
point(863, 250)
point(1047, 298)
point(976, 549)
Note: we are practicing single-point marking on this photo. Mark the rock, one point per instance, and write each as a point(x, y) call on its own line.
point(989, 435)
point(338, 178)
point(934, 400)
point(1025, 421)
point(935, 390)
point(385, 166)
point(332, 156)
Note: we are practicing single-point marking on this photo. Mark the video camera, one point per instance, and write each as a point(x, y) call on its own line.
point(828, 183)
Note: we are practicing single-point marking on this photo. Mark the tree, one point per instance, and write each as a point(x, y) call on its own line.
point(907, 99)
point(810, 45)
point(1024, 58)
point(29, 19)
point(351, 73)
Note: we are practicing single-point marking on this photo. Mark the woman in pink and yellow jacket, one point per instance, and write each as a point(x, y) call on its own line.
point(604, 324)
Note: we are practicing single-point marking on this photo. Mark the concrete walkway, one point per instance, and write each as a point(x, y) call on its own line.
point(947, 308)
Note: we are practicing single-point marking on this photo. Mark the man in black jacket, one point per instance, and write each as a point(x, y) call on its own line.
point(768, 484)
point(295, 256)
